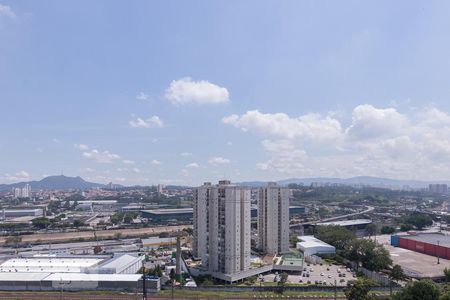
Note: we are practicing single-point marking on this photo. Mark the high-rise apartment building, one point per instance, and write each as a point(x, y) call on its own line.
point(438, 188)
point(222, 227)
point(24, 192)
point(273, 219)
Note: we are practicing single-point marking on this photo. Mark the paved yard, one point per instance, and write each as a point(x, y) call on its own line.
point(324, 273)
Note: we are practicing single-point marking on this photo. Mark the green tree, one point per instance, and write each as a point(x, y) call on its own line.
point(447, 274)
point(418, 290)
point(97, 249)
point(387, 230)
point(78, 223)
point(397, 273)
point(335, 235)
point(13, 240)
point(41, 222)
point(368, 254)
point(406, 227)
point(445, 296)
point(172, 274)
point(359, 290)
point(189, 231)
point(371, 229)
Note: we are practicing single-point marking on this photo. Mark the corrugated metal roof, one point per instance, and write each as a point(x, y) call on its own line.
point(92, 277)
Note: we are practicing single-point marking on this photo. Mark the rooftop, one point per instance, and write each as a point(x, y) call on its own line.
point(430, 238)
point(309, 241)
point(169, 211)
point(47, 264)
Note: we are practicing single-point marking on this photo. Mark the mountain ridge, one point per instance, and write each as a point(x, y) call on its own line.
point(57, 182)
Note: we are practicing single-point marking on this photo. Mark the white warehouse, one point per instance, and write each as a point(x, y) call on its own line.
point(311, 245)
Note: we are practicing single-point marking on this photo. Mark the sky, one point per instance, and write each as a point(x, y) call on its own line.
point(181, 92)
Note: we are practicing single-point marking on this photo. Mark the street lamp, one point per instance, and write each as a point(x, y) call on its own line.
point(437, 252)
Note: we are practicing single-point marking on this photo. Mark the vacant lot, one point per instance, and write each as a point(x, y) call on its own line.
point(103, 234)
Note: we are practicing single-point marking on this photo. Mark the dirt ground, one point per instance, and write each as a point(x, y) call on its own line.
point(70, 236)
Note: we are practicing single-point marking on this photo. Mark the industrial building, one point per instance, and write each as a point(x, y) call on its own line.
point(163, 214)
point(273, 219)
point(155, 242)
point(434, 244)
point(49, 272)
point(15, 213)
point(311, 245)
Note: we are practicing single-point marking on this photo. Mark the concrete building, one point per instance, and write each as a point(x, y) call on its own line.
point(273, 219)
point(222, 228)
point(438, 188)
point(15, 213)
point(24, 192)
point(311, 245)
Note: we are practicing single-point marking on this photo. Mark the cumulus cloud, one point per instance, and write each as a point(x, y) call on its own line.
point(142, 96)
point(377, 142)
point(18, 176)
point(192, 165)
point(101, 156)
point(156, 162)
point(81, 147)
point(310, 126)
point(186, 90)
point(6, 11)
point(128, 162)
point(152, 122)
point(371, 122)
point(218, 161)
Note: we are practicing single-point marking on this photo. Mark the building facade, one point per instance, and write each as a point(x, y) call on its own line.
point(273, 219)
point(222, 227)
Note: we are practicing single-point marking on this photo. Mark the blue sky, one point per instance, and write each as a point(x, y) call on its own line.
point(145, 92)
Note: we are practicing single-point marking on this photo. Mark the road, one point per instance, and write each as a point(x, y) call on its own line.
point(367, 210)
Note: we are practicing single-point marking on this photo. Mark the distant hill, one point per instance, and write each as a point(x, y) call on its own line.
point(60, 182)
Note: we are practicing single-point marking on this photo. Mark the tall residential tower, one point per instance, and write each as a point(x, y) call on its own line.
point(273, 219)
point(222, 227)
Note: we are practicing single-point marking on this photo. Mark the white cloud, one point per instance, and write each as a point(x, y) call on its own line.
point(101, 157)
point(156, 162)
point(6, 11)
point(192, 165)
point(218, 161)
point(377, 142)
point(90, 170)
point(186, 90)
point(371, 122)
point(184, 172)
point(19, 176)
point(310, 126)
point(128, 162)
point(142, 96)
point(82, 147)
point(152, 122)
point(186, 154)
point(136, 170)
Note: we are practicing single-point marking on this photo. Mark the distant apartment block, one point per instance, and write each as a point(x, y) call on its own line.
point(222, 227)
point(24, 192)
point(273, 219)
point(438, 188)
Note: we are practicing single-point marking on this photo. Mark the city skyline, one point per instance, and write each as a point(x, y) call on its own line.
point(176, 96)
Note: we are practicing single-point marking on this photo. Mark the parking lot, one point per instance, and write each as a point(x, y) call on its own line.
point(321, 274)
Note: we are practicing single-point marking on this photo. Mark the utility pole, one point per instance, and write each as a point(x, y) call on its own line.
point(144, 290)
point(335, 289)
point(437, 252)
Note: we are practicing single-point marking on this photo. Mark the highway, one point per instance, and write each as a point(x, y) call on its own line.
point(367, 210)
